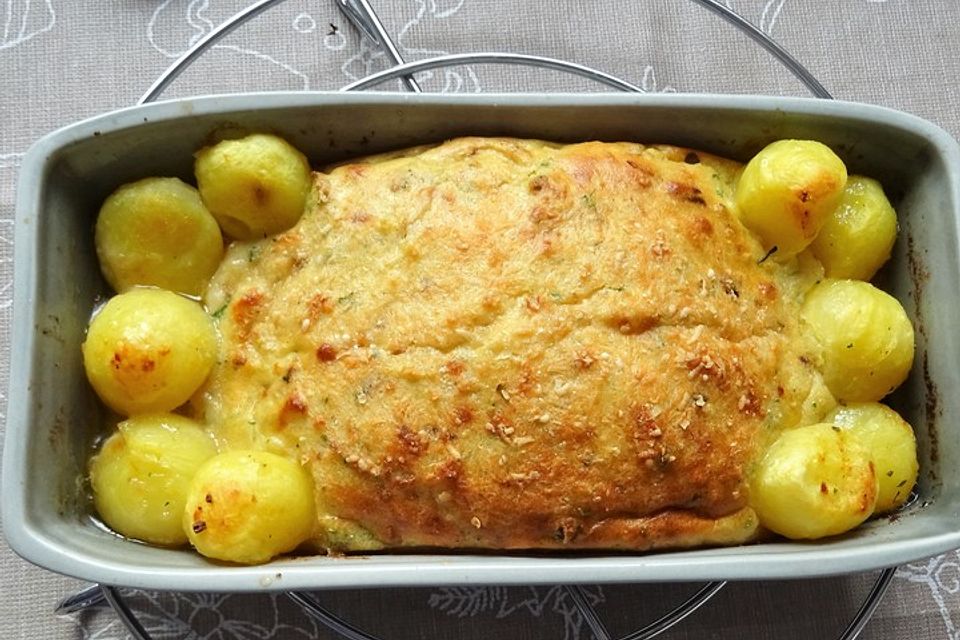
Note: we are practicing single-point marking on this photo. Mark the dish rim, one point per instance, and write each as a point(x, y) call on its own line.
point(765, 561)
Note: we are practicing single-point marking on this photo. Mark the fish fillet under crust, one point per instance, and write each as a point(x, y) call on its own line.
point(512, 344)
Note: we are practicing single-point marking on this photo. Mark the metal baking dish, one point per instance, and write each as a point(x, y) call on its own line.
point(52, 414)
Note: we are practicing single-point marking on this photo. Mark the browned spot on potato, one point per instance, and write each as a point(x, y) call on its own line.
point(129, 359)
point(869, 497)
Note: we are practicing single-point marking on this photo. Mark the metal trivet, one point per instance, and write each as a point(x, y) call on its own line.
point(365, 20)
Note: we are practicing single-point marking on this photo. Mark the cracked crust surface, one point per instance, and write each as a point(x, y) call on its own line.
point(500, 343)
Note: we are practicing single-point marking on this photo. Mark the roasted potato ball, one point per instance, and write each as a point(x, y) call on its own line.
point(249, 506)
point(141, 474)
point(255, 186)
point(787, 191)
point(157, 232)
point(866, 336)
point(858, 235)
point(148, 350)
point(813, 482)
point(891, 444)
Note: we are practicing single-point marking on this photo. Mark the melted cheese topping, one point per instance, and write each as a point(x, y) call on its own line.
point(512, 344)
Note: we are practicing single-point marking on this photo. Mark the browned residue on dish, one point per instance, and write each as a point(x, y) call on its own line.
point(919, 275)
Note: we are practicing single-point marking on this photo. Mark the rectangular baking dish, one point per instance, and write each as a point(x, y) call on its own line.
point(52, 414)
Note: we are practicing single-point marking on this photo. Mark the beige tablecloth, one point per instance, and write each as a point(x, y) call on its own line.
point(62, 60)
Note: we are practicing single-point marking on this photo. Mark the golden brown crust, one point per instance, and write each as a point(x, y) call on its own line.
point(511, 344)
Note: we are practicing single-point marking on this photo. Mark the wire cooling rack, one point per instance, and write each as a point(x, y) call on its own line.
point(365, 20)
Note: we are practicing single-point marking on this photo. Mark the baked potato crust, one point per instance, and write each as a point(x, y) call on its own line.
point(513, 344)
